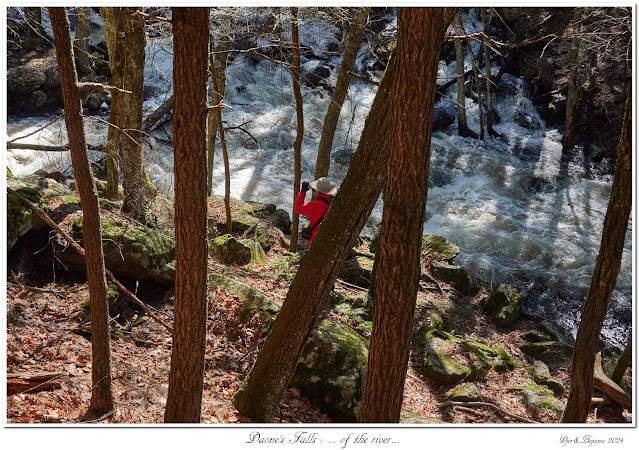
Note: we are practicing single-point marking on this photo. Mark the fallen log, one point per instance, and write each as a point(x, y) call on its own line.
point(49, 148)
point(156, 115)
point(609, 387)
point(32, 382)
point(80, 250)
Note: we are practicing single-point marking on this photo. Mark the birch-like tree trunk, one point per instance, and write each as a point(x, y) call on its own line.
point(297, 145)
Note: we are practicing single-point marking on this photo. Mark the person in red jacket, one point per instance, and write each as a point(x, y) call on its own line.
point(316, 208)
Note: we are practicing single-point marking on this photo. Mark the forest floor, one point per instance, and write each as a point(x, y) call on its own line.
point(47, 332)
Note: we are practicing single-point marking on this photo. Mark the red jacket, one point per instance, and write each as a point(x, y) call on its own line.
point(314, 209)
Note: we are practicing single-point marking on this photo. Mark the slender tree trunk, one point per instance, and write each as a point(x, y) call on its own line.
point(113, 133)
point(259, 395)
point(138, 190)
point(420, 32)
point(218, 63)
point(462, 123)
point(225, 157)
point(571, 96)
point(603, 280)
point(622, 364)
point(351, 47)
point(81, 42)
point(489, 76)
point(190, 46)
point(297, 145)
point(101, 397)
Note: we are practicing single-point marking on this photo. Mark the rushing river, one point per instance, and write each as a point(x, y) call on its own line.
point(517, 210)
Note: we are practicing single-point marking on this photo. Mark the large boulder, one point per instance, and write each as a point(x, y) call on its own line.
point(467, 392)
point(230, 250)
point(331, 370)
point(439, 246)
point(540, 399)
point(130, 251)
point(553, 353)
point(503, 304)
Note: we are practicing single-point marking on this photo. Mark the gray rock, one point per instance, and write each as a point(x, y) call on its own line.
point(553, 353)
point(24, 79)
point(331, 370)
point(467, 392)
point(230, 250)
point(503, 305)
point(357, 271)
point(456, 276)
point(540, 372)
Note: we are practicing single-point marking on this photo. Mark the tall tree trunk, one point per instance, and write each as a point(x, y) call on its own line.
point(623, 362)
point(225, 157)
point(571, 96)
point(190, 46)
point(603, 279)
point(420, 32)
point(218, 65)
point(489, 76)
point(351, 47)
point(261, 391)
point(81, 42)
point(138, 190)
point(116, 61)
point(101, 397)
point(462, 123)
point(297, 145)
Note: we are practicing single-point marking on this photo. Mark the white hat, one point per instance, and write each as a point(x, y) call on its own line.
point(324, 186)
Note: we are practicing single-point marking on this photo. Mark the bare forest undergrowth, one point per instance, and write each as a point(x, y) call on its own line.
point(47, 331)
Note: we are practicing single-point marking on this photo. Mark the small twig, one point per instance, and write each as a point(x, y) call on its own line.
point(487, 405)
point(354, 287)
point(56, 118)
point(100, 86)
point(434, 281)
point(148, 16)
point(364, 79)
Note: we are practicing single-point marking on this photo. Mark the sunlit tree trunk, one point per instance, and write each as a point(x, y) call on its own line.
point(351, 47)
point(81, 42)
point(297, 145)
point(604, 279)
point(101, 397)
point(623, 362)
point(420, 32)
point(190, 47)
point(259, 395)
point(116, 62)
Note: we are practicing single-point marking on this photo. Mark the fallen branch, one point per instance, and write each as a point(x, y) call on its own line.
point(48, 148)
point(156, 115)
point(441, 290)
point(80, 250)
point(364, 79)
point(609, 387)
point(18, 383)
point(487, 405)
point(357, 288)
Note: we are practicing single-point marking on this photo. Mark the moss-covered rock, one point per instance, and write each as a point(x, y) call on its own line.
point(253, 300)
point(456, 276)
point(442, 368)
point(331, 370)
point(467, 392)
point(257, 252)
point(229, 250)
point(357, 271)
point(503, 304)
point(130, 251)
point(439, 246)
point(553, 353)
point(539, 398)
point(408, 417)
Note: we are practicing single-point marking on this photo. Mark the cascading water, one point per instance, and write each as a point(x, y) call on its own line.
point(518, 209)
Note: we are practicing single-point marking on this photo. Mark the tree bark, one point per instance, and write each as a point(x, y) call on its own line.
point(113, 133)
point(138, 190)
point(351, 47)
point(101, 397)
point(218, 63)
point(603, 279)
point(260, 393)
point(81, 42)
point(462, 123)
point(622, 363)
point(297, 145)
point(604, 384)
point(489, 76)
point(33, 18)
point(420, 32)
point(571, 96)
point(190, 44)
